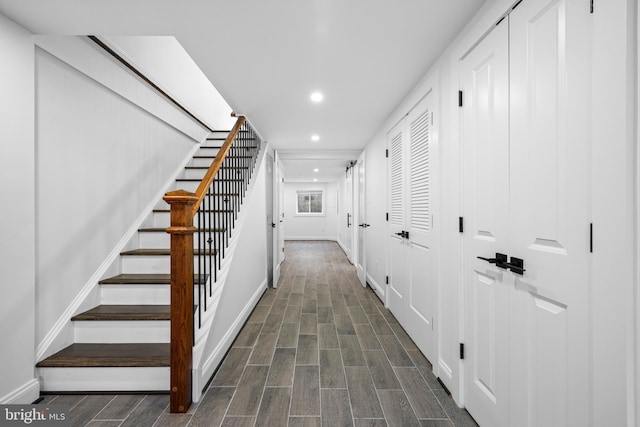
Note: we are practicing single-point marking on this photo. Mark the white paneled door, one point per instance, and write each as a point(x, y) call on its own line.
point(549, 213)
point(414, 270)
point(486, 190)
point(361, 262)
point(526, 197)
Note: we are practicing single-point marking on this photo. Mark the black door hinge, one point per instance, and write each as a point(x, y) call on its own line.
point(461, 351)
point(387, 216)
point(591, 6)
point(591, 237)
point(386, 153)
point(459, 98)
point(387, 280)
point(460, 224)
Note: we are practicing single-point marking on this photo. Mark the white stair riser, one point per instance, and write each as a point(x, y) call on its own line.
point(104, 379)
point(207, 151)
point(190, 186)
point(135, 294)
point(194, 173)
point(140, 264)
point(145, 264)
point(162, 220)
point(121, 331)
point(200, 162)
point(163, 240)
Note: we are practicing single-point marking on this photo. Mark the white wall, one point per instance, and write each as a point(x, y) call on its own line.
point(246, 280)
point(100, 161)
point(17, 228)
point(310, 227)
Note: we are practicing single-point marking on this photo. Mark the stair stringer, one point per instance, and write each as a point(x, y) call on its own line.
point(238, 287)
point(61, 333)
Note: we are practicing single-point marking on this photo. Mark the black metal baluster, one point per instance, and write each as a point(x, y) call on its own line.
point(200, 220)
point(216, 242)
point(209, 237)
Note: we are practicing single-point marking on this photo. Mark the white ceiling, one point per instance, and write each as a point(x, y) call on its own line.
point(266, 57)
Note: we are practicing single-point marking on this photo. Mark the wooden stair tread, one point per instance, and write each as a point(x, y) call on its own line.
point(163, 251)
point(230, 156)
point(109, 355)
point(217, 179)
point(223, 167)
point(141, 279)
point(126, 312)
point(208, 210)
point(164, 230)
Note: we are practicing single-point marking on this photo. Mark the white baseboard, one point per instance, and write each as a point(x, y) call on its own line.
point(378, 289)
point(26, 394)
point(212, 362)
point(325, 238)
point(46, 346)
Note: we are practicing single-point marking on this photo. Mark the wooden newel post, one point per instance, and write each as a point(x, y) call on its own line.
point(181, 231)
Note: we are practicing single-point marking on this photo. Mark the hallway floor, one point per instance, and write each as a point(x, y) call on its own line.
point(318, 350)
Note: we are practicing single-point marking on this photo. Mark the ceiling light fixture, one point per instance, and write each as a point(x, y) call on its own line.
point(316, 170)
point(317, 97)
point(315, 179)
point(315, 137)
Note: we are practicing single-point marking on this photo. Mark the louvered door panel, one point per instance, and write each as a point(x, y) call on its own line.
point(397, 187)
point(420, 174)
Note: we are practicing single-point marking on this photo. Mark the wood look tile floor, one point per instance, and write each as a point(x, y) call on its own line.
point(319, 350)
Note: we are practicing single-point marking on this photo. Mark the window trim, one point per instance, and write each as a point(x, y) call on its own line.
point(309, 192)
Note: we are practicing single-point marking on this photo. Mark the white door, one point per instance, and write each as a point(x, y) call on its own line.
point(397, 290)
point(413, 261)
point(281, 223)
point(361, 262)
point(348, 215)
point(276, 219)
point(270, 224)
point(549, 213)
point(485, 118)
point(422, 262)
point(526, 195)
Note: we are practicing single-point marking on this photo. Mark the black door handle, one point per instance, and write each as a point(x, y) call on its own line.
point(403, 234)
point(499, 260)
point(348, 220)
point(273, 225)
point(362, 225)
point(516, 265)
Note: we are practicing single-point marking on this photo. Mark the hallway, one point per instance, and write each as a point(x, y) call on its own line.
point(318, 350)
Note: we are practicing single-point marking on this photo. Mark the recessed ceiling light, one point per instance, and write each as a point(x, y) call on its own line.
point(317, 97)
point(316, 170)
point(315, 179)
point(315, 137)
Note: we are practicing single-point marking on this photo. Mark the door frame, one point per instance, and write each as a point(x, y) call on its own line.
point(360, 212)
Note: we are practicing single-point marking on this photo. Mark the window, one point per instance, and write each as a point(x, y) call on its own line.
point(310, 203)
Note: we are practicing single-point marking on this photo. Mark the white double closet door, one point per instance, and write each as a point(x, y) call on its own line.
point(412, 240)
point(526, 195)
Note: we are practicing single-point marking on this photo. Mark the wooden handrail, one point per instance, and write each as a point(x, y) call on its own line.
point(138, 73)
point(201, 191)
